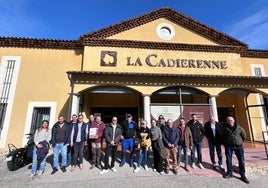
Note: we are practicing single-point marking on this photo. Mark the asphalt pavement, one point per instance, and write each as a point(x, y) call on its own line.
point(125, 177)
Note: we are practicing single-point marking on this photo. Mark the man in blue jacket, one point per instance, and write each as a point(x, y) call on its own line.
point(59, 139)
point(171, 139)
point(129, 131)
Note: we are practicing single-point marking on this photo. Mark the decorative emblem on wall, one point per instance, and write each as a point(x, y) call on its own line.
point(108, 58)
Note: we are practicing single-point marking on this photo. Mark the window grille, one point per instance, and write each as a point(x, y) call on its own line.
point(257, 71)
point(39, 114)
point(5, 90)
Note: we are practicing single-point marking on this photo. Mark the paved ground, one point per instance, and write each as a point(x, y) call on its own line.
point(126, 178)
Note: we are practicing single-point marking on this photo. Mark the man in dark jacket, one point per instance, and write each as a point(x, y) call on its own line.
point(213, 134)
point(79, 136)
point(112, 134)
point(60, 138)
point(198, 134)
point(89, 144)
point(70, 151)
point(233, 137)
point(170, 139)
point(129, 131)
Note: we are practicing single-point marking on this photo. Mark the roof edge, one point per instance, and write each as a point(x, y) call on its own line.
point(165, 74)
point(162, 46)
point(39, 43)
point(254, 53)
point(170, 14)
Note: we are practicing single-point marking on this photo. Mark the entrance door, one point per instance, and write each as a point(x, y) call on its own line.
point(223, 112)
point(120, 112)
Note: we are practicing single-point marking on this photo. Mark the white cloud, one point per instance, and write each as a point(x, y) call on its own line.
point(252, 30)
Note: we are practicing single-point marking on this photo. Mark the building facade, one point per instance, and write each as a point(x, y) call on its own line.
point(161, 62)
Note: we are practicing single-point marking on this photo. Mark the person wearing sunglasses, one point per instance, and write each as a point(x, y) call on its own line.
point(112, 135)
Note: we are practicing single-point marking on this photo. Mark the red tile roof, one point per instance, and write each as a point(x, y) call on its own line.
point(39, 43)
point(170, 14)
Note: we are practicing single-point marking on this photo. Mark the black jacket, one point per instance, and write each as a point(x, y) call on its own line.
point(197, 131)
point(144, 130)
point(209, 133)
point(66, 136)
point(129, 132)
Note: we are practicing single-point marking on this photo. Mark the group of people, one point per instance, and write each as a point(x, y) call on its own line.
point(166, 140)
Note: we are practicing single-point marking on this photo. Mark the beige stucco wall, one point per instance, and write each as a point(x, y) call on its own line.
point(134, 60)
point(42, 78)
point(147, 32)
point(246, 62)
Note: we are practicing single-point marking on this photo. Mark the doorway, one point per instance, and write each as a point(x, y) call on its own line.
point(107, 113)
point(223, 112)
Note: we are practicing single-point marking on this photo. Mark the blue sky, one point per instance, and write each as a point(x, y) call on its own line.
point(246, 20)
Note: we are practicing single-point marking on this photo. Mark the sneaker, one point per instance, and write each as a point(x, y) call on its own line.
point(137, 170)
point(161, 173)
point(193, 165)
point(175, 171)
point(114, 169)
point(200, 166)
point(72, 168)
point(39, 173)
point(228, 176)
point(221, 167)
point(104, 171)
point(154, 170)
point(214, 166)
point(146, 167)
point(32, 175)
point(54, 171)
point(63, 169)
point(245, 179)
point(187, 167)
point(166, 171)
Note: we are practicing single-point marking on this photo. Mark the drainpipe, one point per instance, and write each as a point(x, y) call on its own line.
point(71, 95)
point(250, 124)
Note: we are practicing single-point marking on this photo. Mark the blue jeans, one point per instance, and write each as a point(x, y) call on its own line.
point(198, 146)
point(212, 145)
point(127, 143)
point(59, 148)
point(143, 152)
point(35, 162)
point(239, 152)
point(184, 148)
